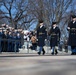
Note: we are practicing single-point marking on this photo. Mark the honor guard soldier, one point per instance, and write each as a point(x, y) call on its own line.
point(41, 36)
point(72, 35)
point(54, 34)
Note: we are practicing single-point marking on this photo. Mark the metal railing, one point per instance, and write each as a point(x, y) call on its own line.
point(12, 41)
point(19, 41)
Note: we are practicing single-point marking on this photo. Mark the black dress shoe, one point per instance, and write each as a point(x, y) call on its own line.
point(72, 53)
point(43, 51)
point(52, 53)
point(56, 52)
point(39, 53)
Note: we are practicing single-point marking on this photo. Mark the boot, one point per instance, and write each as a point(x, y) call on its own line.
point(72, 53)
point(52, 53)
point(39, 53)
point(56, 52)
point(43, 51)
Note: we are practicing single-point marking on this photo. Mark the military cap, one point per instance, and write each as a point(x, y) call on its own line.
point(73, 16)
point(41, 21)
point(54, 23)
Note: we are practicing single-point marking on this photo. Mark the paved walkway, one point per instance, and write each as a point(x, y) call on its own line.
point(33, 64)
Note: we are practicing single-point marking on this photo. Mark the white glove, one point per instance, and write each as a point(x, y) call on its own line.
point(37, 39)
point(45, 39)
point(68, 28)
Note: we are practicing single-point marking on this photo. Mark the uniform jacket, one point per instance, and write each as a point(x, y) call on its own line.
point(54, 36)
point(72, 34)
point(41, 35)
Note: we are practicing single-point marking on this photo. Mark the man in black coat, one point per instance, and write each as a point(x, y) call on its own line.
point(41, 36)
point(54, 37)
point(72, 35)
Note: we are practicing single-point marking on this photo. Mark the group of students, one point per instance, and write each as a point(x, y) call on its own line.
point(55, 35)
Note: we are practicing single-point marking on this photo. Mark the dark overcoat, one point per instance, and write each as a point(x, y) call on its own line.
point(41, 35)
point(72, 34)
point(54, 36)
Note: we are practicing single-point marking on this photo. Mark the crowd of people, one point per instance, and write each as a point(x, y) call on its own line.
point(12, 39)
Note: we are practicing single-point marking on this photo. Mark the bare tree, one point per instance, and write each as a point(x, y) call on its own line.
point(16, 11)
point(22, 12)
point(49, 10)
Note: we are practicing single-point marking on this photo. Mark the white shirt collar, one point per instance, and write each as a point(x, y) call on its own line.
point(73, 22)
point(41, 26)
point(54, 27)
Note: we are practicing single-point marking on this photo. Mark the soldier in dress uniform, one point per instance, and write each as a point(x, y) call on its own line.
point(72, 35)
point(55, 37)
point(41, 36)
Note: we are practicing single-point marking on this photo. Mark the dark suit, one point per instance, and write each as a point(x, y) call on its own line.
point(10, 43)
point(1, 35)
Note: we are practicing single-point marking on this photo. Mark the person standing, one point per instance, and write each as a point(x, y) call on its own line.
point(72, 34)
point(9, 41)
point(1, 37)
point(41, 36)
point(18, 43)
point(55, 38)
point(34, 41)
